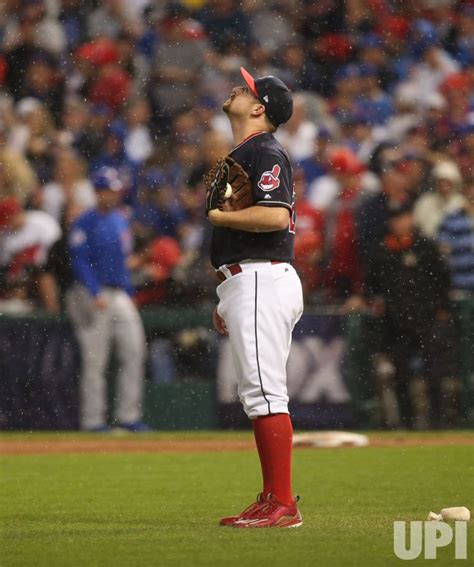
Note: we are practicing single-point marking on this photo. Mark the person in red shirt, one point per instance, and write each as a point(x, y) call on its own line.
point(309, 238)
point(343, 274)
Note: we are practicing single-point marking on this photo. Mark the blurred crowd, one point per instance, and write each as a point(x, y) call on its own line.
point(382, 137)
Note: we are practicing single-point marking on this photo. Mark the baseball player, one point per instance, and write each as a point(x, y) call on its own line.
point(260, 294)
point(101, 310)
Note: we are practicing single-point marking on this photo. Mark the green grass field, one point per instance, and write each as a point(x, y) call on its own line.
point(147, 509)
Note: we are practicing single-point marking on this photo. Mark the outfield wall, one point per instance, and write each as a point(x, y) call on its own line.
point(190, 382)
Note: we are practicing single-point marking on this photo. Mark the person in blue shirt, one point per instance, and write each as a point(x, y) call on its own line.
point(456, 240)
point(101, 310)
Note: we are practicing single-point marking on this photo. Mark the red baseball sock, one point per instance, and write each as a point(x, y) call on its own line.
point(274, 437)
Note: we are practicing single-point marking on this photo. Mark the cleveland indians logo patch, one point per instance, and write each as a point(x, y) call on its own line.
point(270, 180)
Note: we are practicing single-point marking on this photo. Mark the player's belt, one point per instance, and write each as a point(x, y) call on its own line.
point(234, 269)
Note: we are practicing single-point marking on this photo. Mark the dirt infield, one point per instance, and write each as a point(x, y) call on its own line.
point(39, 446)
point(117, 445)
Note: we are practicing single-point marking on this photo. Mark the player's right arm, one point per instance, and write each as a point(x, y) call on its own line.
point(253, 219)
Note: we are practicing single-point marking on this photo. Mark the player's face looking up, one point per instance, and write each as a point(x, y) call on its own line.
point(240, 102)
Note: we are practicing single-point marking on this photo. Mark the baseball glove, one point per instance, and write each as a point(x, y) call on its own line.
point(228, 171)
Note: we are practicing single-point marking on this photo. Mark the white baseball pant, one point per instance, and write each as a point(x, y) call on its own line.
point(260, 307)
point(97, 331)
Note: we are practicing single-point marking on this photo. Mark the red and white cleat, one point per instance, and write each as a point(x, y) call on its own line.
point(273, 514)
point(247, 513)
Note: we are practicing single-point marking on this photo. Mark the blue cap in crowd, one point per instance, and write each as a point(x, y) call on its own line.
point(368, 70)
point(153, 178)
point(370, 40)
point(106, 178)
point(349, 71)
point(424, 36)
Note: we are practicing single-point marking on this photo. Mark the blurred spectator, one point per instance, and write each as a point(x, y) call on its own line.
point(89, 128)
point(21, 123)
point(466, 149)
point(309, 240)
point(343, 275)
point(157, 211)
point(406, 114)
point(437, 122)
point(373, 214)
point(109, 19)
point(102, 311)
point(357, 135)
point(113, 155)
point(26, 36)
point(275, 16)
point(138, 140)
point(314, 165)
point(70, 187)
point(297, 135)
point(456, 238)
point(56, 276)
point(153, 267)
point(96, 53)
point(373, 55)
point(111, 87)
point(434, 65)
point(457, 89)
point(347, 89)
point(74, 22)
point(393, 30)
point(291, 67)
point(178, 63)
point(344, 170)
point(445, 198)
point(17, 178)
point(225, 22)
point(45, 83)
point(464, 32)
point(409, 283)
point(35, 137)
point(416, 169)
point(372, 102)
point(326, 55)
point(25, 240)
point(323, 17)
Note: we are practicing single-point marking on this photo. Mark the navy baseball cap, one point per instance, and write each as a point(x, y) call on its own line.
point(273, 94)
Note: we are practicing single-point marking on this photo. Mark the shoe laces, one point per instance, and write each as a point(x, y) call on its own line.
point(269, 503)
point(273, 503)
point(259, 501)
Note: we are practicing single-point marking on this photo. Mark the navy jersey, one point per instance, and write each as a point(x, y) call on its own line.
point(269, 169)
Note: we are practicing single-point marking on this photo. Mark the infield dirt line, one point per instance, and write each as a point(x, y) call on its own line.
point(117, 445)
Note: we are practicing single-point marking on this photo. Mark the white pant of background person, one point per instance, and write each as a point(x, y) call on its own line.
point(260, 307)
point(119, 324)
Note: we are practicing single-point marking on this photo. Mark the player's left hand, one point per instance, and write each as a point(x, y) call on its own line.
point(226, 175)
point(219, 323)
